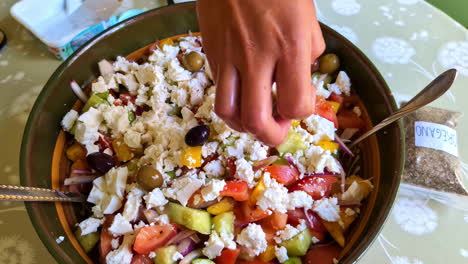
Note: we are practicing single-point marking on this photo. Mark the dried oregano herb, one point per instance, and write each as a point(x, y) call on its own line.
point(428, 167)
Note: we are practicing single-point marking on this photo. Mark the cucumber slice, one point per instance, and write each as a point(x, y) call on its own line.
point(299, 244)
point(293, 260)
point(202, 261)
point(94, 101)
point(293, 143)
point(194, 219)
point(87, 241)
point(224, 223)
point(164, 255)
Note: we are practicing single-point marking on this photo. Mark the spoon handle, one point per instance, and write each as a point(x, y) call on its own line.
point(33, 194)
point(432, 91)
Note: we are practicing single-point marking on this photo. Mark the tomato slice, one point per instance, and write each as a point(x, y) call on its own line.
point(283, 174)
point(325, 110)
point(316, 186)
point(316, 223)
point(348, 119)
point(255, 261)
point(239, 190)
point(141, 259)
point(228, 256)
point(276, 221)
point(150, 238)
point(336, 98)
point(246, 213)
point(322, 254)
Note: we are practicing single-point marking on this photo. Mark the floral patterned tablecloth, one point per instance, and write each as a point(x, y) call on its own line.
point(409, 41)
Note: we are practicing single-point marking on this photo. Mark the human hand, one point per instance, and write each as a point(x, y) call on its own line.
point(250, 45)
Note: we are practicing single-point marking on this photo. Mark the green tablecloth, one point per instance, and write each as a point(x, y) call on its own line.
point(409, 41)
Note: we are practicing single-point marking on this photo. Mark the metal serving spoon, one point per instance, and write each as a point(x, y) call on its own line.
point(431, 92)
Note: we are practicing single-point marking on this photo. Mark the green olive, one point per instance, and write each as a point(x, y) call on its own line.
point(193, 61)
point(149, 178)
point(87, 241)
point(329, 63)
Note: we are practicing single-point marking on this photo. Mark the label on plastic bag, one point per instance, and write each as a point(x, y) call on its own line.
point(435, 136)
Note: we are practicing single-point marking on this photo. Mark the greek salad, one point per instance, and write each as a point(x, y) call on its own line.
point(169, 182)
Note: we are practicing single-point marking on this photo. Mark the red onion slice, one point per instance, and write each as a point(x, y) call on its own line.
point(320, 79)
point(343, 146)
point(195, 238)
point(185, 246)
point(79, 180)
point(291, 162)
point(311, 223)
point(260, 164)
point(191, 256)
point(81, 172)
point(180, 236)
point(78, 91)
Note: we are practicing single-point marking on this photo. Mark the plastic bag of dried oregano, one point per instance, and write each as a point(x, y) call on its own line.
point(432, 151)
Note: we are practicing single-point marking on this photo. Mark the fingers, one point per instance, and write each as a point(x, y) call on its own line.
point(296, 96)
point(256, 107)
point(227, 96)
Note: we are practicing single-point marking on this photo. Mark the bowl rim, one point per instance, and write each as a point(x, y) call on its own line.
point(53, 79)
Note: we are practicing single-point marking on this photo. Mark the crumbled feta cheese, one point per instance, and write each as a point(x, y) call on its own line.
point(213, 246)
point(278, 198)
point(152, 255)
point(253, 238)
point(287, 233)
point(257, 151)
point(209, 148)
point(128, 80)
point(155, 199)
point(315, 159)
point(132, 205)
point(179, 97)
point(115, 243)
point(60, 239)
point(162, 56)
point(212, 190)
point(108, 191)
point(357, 111)
point(315, 240)
point(116, 118)
point(244, 172)
point(99, 86)
point(175, 72)
point(321, 128)
point(162, 219)
point(122, 255)
point(327, 209)
point(120, 226)
point(69, 120)
point(341, 85)
point(90, 225)
point(182, 189)
point(133, 139)
point(214, 168)
point(335, 261)
point(299, 199)
point(281, 254)
point(177, 256)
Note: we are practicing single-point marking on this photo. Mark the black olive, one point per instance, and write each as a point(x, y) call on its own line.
point(100, 162)
point(198, 135)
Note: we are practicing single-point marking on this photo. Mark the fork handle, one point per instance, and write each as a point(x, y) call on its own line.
point(34, 194)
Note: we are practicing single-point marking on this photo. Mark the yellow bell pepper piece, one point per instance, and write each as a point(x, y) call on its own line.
point(225, 205)
point(334, 105)
point(337, 229)
point(257, 191)
point(164, 42)
point(295, 123)
point(269, 254)
point(122, 151)
point(365, 185)
point(328, 145)
point(76, 152)
point(192, 157)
